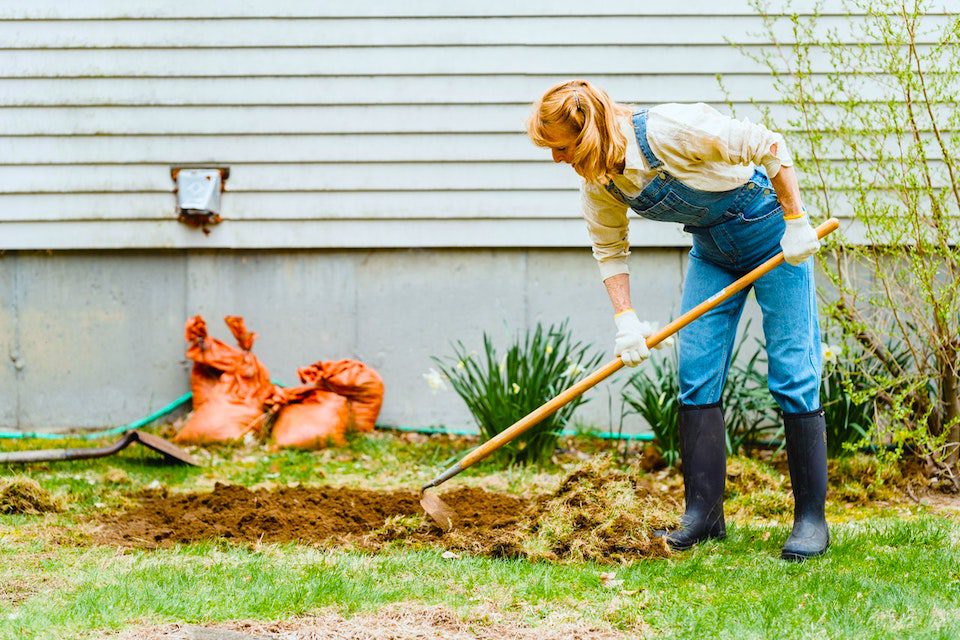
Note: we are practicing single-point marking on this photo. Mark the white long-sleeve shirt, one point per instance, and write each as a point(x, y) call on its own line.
point(699, 146)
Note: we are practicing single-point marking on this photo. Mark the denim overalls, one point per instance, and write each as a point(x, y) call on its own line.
point(733, 232)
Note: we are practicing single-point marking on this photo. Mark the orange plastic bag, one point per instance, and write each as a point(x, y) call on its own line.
point(310, 418)
point(230, 385)
point(361, 385)
point(203, 377)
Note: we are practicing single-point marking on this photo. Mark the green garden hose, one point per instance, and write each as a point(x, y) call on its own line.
point(94, 435)
point(185, 398)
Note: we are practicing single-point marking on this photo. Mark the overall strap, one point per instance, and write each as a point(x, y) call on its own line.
point(640, 126)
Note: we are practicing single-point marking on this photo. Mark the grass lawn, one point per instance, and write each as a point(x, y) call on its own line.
point(893, 569)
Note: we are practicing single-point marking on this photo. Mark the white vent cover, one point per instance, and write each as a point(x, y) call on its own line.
point(198, 192)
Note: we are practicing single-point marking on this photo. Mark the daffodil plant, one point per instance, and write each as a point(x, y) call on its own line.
point(500, 389)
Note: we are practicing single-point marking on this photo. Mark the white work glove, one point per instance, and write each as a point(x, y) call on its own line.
point(799, 240)
point(631, 343)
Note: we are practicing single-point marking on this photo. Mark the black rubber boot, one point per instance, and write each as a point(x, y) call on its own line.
point(807, 457)
point(703, 452)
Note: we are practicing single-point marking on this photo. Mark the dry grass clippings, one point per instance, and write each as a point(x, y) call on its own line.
point(23, 495)
point(756, 489)
point(600, 513)
point(860, 479)
point(401, 621)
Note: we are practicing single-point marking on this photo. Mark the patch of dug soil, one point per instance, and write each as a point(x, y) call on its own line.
point(289, 514)
point(20, 494)
point(407, 621)
point(598, 513)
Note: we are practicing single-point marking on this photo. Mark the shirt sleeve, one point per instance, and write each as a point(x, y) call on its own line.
point(706, 135)
point(607, 226)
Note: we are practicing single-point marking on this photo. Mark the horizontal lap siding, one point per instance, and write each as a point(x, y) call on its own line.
point(153, 9)
point(335, 115)
point(643, 86)
point(378, 32)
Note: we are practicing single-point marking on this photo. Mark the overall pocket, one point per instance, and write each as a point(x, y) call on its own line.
point(761, 208)
point(673, 208)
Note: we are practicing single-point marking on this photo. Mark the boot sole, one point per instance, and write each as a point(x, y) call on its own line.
point(683, 547)
point(797, 556)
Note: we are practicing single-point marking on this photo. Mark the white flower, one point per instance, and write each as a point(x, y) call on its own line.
point(573, 370)
point(503, 363)
point(461, 366)
point(829, 352)
point(515, 387)
point(435, 380)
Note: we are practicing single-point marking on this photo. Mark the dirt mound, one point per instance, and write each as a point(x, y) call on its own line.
point(597, 513)
point(20, 494)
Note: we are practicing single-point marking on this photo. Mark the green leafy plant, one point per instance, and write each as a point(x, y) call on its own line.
point(848, 415)
point(850, 399)
point(653, 392)
point(499, 390)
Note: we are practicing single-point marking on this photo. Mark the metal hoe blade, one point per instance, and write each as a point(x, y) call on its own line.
point(167, 449)
point(438, 510)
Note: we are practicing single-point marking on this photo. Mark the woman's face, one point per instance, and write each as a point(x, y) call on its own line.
point(563, 154)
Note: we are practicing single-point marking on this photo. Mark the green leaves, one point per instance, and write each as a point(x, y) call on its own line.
point(500, 389)
point(848, 414)
point(871, 106)
point(654, 393)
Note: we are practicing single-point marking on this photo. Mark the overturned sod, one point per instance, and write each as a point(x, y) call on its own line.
point(23, 495)
point(597, 513)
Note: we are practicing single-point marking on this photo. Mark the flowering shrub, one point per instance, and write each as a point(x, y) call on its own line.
point(848, 414)
point(874, 124)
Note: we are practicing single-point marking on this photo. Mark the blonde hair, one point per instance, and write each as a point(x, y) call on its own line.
point(576, 111)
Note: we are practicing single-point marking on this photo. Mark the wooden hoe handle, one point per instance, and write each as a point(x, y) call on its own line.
point(538, 415)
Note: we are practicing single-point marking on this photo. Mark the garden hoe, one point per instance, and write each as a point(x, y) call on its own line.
point(444, 516)
point(171, 452)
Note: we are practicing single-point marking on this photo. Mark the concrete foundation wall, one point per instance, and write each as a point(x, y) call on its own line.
point(95, 339)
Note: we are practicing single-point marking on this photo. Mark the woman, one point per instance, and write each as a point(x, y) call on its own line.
point(732, 185)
